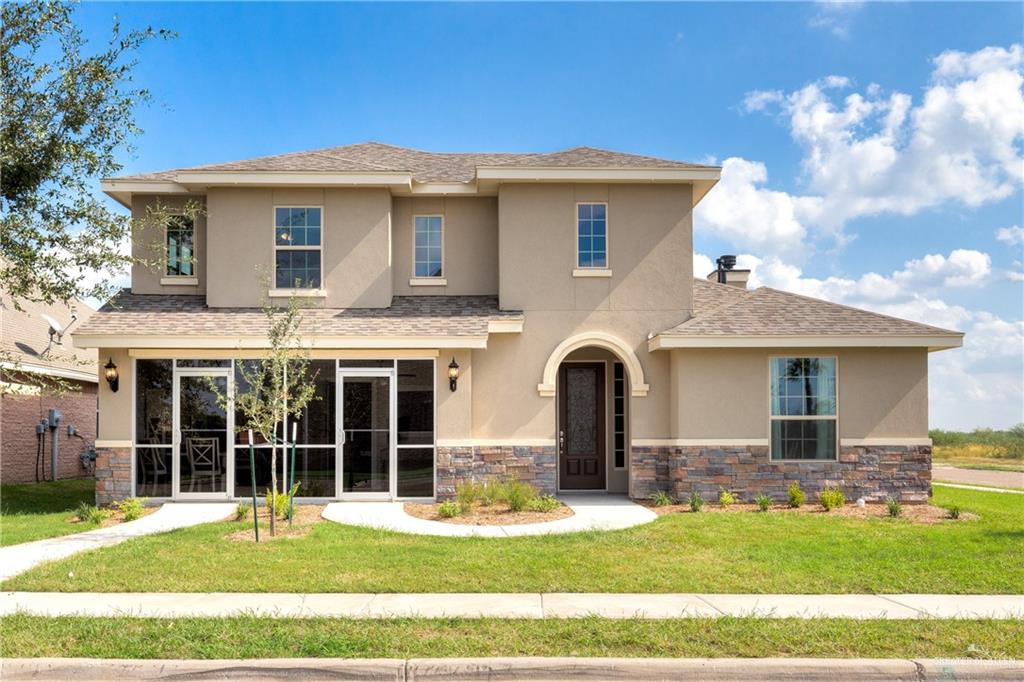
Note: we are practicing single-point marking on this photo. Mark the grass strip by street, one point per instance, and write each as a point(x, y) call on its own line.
point(748, 552)
point(251, 637)
point(34, 511)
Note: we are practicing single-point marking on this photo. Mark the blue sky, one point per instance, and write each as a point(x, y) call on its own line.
point(815, 199)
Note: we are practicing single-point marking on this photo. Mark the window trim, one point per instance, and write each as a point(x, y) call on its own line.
point(429, 280)
point(276, 291)
point(171, 280)
point(592, 270)
point(824, 417)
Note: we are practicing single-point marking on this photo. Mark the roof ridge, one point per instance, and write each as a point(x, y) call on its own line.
point(855, 309)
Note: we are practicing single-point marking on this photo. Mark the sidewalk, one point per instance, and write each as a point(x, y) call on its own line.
point(524, 605)
point(982, 477)
point(525, 668)
point(16, 559)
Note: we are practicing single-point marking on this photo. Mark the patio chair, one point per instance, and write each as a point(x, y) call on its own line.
point(204, 460)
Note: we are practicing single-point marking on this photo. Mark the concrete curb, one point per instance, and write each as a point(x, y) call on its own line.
point(498, 669)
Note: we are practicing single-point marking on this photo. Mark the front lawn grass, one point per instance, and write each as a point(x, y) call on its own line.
point(250, 637)
point(33, 511)
point(741, 552)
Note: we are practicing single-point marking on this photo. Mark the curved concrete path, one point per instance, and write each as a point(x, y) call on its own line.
point(590, 512)
point(979, 477)
point(17, 559)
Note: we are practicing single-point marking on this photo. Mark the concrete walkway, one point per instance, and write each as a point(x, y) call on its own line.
point(590, 512)
point(519, 605)
point(526, 668)
point(17, 559)
point(992, 479)
point(982, 488)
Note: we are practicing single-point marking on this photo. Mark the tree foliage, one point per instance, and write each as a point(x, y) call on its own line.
point(66, 113)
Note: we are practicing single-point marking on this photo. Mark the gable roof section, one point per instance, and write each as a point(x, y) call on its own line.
point(769, 318)
point(176, 321)
point(25, 340)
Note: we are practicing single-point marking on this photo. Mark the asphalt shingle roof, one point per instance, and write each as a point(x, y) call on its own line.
point(159, 314)
point(721, 310)
point(425, 166)
point(25, 339)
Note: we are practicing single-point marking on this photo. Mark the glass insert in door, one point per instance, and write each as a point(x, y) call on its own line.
point(366, 421)
point(203, 425)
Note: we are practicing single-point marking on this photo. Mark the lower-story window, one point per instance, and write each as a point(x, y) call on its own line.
point(803, 408)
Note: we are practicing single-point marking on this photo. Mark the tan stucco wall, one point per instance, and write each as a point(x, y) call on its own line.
point(356, 260)
point(724, 393)
point(149, 242)
point(115, 422)
point(470, 244)
point(650, 248)
point(454, 408)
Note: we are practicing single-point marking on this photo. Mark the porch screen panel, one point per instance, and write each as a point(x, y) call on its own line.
point(154, 404)
point(415, 449)
point(315, 459)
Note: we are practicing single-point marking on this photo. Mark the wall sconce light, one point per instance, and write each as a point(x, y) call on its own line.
point(110, 374)
point(453, 374)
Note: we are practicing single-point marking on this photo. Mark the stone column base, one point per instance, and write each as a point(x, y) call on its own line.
point(113, 475)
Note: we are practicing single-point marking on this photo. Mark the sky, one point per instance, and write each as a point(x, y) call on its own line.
point(871, 153)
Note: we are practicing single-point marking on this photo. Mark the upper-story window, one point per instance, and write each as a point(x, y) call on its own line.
point(803, 410)
point(297, 247)
point(592, 235)
point(429, 246)
point(180, 238)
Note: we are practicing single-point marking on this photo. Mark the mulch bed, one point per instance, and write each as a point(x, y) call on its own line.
point(495, 515)
point(306, 515)
point(915, 513)
point(116, 517)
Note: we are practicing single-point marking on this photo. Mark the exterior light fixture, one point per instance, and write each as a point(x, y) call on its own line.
point(453, 374)
point(110, 374)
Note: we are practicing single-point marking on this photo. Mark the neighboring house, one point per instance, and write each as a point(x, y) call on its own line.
point(558, 287)
point(39, 372)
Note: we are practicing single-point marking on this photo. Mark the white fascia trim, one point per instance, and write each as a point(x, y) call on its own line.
point(494, 442)
point(446, 188)
point(428, 282)
point(505, 327)
point(321, 179)
point(932, 343)
point(30, 368)
point(592, 272)
point(143, 186)
point(698, 442)
point(873, 442)
point(179, 281)
point(527, 174)
point(298, 293)
point(315, 354)
point(114, 444)
point(252, 342)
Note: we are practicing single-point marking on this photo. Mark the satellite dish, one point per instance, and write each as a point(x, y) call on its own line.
point(56, 328)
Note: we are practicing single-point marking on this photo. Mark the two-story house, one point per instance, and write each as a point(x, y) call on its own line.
point(473, 315)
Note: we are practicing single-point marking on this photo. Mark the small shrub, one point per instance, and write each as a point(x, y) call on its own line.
point(466, 494)
point(449, 509)
point(544, 503)
point(831, 498)
point(492, 491)
point(953, 512)
point(518, 495)
point(725, 498)
point(278, 502)
point(91, 514)
point(764, 503)
point(661, 498)
point(696, 502)
point(242, 511)
point(131, 508)
point(894, 506)
point(796, 496)
point(83, 510)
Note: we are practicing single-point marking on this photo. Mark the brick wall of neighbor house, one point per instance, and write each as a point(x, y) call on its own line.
point(113, 474)
point(536, 465)
point(19, 415)
point(874, 473)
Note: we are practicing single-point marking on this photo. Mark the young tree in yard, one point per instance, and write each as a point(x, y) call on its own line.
point(64, 115)
point(274, 386)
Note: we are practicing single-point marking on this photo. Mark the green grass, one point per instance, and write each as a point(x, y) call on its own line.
point(250, 637)
point(738, 552)
point(34, 511)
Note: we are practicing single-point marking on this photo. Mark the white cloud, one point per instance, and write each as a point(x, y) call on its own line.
point(835, 16)
point(874, 153)
point(1013, 235)
point(978, 385)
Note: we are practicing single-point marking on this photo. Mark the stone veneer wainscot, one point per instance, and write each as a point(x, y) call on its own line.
point(533, 464)
point(871, 472)
point(113, 474)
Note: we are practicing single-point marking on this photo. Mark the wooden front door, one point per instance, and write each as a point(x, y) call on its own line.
point(581, 424)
